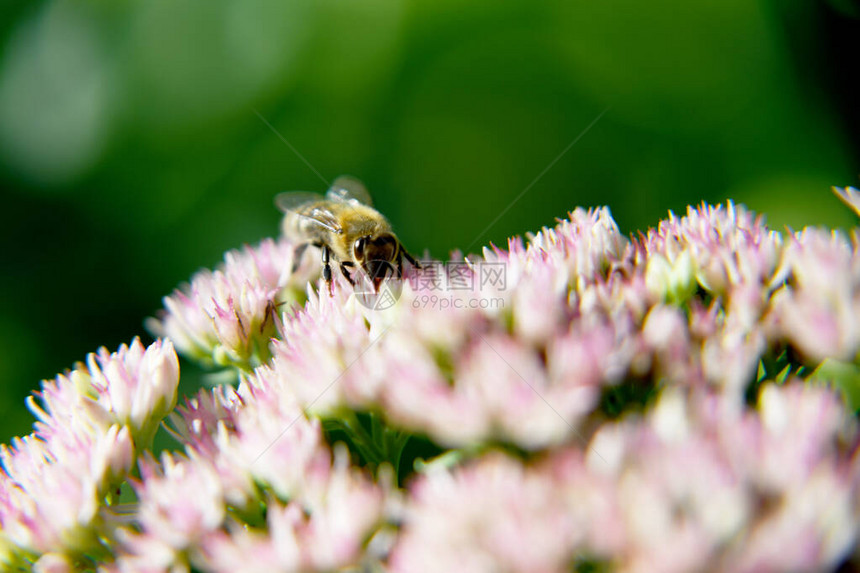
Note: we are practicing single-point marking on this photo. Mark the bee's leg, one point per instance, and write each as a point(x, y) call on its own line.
point(297, 256)
point(326, 256)
point(343, 266)
point(411, 259)
point(400, 264)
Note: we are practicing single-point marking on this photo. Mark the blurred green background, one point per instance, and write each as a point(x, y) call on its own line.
point(131, 152)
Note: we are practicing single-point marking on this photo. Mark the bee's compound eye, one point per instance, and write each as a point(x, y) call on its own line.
point(358, 248)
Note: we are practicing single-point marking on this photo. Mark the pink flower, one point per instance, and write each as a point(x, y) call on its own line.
point(181, 500)
point(54, 563)
point(90, 426)
point(312, 361)
point(51, 491)
point(136, 386)
point(133, 386)
point(818, 307)
point(726, 246)
point(577, 399)
point(227, 317)
point(587, 244)
point(488, 516)
point(321, 530)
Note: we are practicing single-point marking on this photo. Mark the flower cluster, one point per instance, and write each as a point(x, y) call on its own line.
point(57, 502)
point(692, 486)
point(227, 317)
point(678, 400)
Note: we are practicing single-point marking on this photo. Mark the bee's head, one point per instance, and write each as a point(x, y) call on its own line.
point(375, 253)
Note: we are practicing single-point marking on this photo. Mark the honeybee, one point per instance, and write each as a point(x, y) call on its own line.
point(346, 228)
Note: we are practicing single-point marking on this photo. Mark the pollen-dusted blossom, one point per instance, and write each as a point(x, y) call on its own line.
point(251, 439)
point(701, 480)
point(202, 417)
point(92, 422)
point(312, 362)
point(184, 521)
point(51, 491)
point(673, 492)
point(136, 386)
point(227, 316)
point(817, 308)
point(587, 244)
point(53, 563)
point(181, 500)
point(725, 247)
point(579, 400)
point(491, 515)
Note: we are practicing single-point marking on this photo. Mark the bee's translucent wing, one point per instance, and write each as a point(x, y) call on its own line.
point(321, 215)
point(301, 203)
point(350, 190)
point(290, 201)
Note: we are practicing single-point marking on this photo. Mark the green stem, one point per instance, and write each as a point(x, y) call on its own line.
point(363, 440)
point(396, 444)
